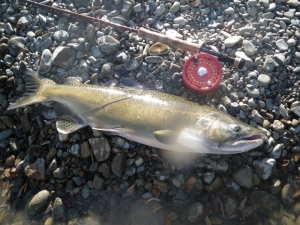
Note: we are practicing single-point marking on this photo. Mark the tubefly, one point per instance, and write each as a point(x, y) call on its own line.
point(148, 117)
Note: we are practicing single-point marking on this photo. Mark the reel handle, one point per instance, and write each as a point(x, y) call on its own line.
point(187, 46)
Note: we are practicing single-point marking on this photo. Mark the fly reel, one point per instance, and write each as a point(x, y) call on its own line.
point(202, 73)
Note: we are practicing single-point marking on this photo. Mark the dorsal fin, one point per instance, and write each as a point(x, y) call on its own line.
point(66, 120)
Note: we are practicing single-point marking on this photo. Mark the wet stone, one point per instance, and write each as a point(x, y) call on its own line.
point(101, 148)
point(208, 177)
point(243, 177)
point(264, 167)
point(232, 187)
point(45, 62)
point(15, 45)
point(130, 170)
point(194, 211)
point(38, 203)
point(287, 195)
point(85, 192)
point(133, 63)
point(85, 150)
point(60, 172)
point(61, 35)
point(108, 45)
point(58, 209)
point(63, 57)
point(268, 204)
point(10, 161)
point(118, 163)
point(26, 126)
point(178, 180)
point(36, 170)
point(97, 182)
point(230, 206)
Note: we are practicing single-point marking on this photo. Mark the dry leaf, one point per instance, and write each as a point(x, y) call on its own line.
point(75, 191)
point(129, 191)
point(243, 203)
point(23, 188)
point(207, 221)
point(191, 180)
point(248, 210)
point(168, 221)
point(153, 199)
point(297, 194)
point(158, 208)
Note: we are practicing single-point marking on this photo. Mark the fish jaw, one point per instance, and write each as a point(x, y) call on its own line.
point(243, 143)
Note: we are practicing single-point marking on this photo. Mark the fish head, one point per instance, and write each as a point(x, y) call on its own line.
point(227, 135)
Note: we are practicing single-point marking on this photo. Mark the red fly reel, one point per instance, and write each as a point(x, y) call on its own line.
point(202, 73)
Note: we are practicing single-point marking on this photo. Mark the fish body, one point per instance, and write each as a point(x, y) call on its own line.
point(148, 117)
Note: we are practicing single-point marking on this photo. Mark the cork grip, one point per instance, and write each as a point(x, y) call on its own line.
point(173, 42)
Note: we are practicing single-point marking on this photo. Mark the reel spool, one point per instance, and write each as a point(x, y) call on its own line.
point(202, 73)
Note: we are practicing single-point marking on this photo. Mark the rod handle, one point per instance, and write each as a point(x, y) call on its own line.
point(174, 42)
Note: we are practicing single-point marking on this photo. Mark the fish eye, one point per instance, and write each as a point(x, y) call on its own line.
point(237, 129)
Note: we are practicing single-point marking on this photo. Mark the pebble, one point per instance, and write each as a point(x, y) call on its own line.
point(63, 57)
point(179, 20)
point(264, 167)
point(100, 148)
point(36, 170)
point(133, 63)
point(287, 195)
point(175, 7)
point(118, 164)
point(61, 35)
point(232, 41)
point(243, 177)
point(85, 192)
point(85, 150)
point(194, 211)
point(38, 203)
point(230, 206)
point(97, 182)
point(58, 209)
point(45, 62)
point(61, 172)
point(15, 45)
point(282, 45)
point(178, 180)
point(10, 161)
point(268, 204)
point(249, 48)
point(108, 44)
point(160, 10)
point(269, 64)
point(263, 80)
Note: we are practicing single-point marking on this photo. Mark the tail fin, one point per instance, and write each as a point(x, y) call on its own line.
point(34, 90)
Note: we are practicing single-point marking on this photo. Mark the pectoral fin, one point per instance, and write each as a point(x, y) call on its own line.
point(166, 136)
point(66, 120)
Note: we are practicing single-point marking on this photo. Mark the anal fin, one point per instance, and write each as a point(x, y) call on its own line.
point(66, 120)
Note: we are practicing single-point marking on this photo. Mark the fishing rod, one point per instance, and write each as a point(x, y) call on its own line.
point(201, 71)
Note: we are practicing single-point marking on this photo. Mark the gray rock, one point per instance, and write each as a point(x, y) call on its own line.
point(263, 80)
point(248, 61)
point(178, 180)
point(85, 150)
point(52, 167)
point(243, 177)
point(36, 170)
point(160, 10)
point(8, 28)
point(252, 11)
point(282, 45)
point(264, 167)
point(5, 134)
point(118, 163)
point(61, 35)
point(154, 59)
point(100, 148)
point(293, 3)
point(268, 204)
point(134, 63)
point(58, 209)
point(24, 21)
point(249, 48)
point(138, 8)
point(175, 7)
point(295, 108)
point(130, 170)
point(229, 10)
point(194, 211)
point(60, 172)
point(38, 203)
point(179, 20)
point(107, 70)
point(97, 182)
point(276, 151)
point(45, 62)
point(95, 52)
point(278, 126)
point(85, 192)
point(108, 45)
point(15, 45)
point(208, 177)
point(10, 161)
point(287, 194)
point(231, 206)
point(232, 41)
point(63, 57)
point(126, 8)
point(269, 64)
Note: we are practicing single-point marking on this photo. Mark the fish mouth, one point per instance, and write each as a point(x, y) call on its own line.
point(251, 140)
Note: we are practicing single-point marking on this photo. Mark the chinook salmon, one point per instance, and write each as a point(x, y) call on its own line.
point(148, 117)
